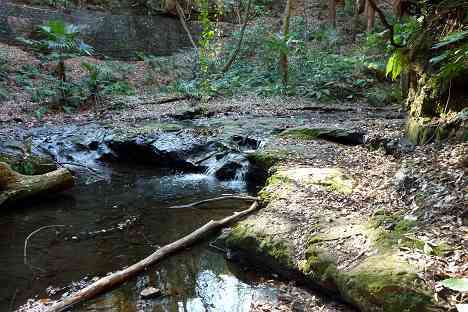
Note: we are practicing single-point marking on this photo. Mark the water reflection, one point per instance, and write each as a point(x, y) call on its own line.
point(112, 225)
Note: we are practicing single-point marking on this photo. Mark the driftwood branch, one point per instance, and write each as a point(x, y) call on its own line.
point(15, 186)
point(119, 277)
point(241, 38)
point(216, 199)
point(386, 24)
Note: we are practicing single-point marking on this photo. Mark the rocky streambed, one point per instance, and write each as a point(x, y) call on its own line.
point(331, 218)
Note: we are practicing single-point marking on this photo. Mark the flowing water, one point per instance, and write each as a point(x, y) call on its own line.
point(112, 224)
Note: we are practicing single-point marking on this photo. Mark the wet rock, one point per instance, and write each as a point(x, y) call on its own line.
point(228, 171)
point(150, 292)
point(245, 142)
point(342, 136)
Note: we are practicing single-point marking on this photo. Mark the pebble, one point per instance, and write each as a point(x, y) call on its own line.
point(150, 292)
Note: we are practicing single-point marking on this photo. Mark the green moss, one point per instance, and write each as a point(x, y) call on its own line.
point(267, 193)
point(267, 159)
point(319, 266)
point(303, 133)
point(244, 237)
point(386, 283)
point(337, 182)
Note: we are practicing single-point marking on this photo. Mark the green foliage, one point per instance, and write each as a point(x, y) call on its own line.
point(54, 3)
point(397, 63)
point(452, 56)
point(109, 78)
point(457, 284)
point(60, 39)
point(322, 73)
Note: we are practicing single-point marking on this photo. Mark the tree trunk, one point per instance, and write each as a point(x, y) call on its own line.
point(15, 186)
point(119, 277)
point(332, 12)
point(284, 53)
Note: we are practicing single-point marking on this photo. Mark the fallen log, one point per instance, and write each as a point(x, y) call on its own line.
point(15, 186)
point(106, 283)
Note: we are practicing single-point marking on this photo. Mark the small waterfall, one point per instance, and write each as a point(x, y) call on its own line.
point(231, 168)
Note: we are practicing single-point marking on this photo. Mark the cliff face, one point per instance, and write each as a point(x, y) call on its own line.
point(115, 35)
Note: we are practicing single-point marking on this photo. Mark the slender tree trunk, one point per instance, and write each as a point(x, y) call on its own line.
point(241, 38)
point(284, 66)
point(332, 12)
point(370, 13)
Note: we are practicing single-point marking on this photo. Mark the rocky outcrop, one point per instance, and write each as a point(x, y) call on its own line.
point(347, 256)
point(113, 35)
point(343, 136)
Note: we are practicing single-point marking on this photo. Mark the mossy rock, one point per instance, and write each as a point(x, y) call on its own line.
point(264, 160)
point(249, 239)
point(422, 131)
point(332, 179)
point(343, 136)
point(384, 283)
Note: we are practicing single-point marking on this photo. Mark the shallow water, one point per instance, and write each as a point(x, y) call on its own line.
point(113, 224)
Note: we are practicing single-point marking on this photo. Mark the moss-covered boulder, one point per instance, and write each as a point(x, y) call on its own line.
point(343, 136)
point(343, 256)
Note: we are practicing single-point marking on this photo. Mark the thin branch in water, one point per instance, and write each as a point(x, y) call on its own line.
point(12, 302)
point(215, 199)
point(111, 281)
point(25, 250)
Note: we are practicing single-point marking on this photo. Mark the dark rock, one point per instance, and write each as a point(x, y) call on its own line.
point(395, 147)
point(150, 292)
point(245, 141)
point(190, 114)
point(342, 136)
point(228, 171)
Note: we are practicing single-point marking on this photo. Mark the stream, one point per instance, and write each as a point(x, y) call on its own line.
point(113, 224)
point(118, 213)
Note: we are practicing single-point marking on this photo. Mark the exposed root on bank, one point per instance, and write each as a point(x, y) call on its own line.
point(106, 283)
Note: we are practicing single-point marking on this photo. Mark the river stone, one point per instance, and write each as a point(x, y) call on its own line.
point(342, 136)
point(150, 292)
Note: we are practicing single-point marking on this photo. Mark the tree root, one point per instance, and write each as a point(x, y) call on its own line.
point(119, 277)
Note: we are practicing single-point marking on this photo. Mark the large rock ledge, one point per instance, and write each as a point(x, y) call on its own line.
point(345, 256)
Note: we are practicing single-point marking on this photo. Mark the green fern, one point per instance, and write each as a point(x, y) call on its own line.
point(397, 63)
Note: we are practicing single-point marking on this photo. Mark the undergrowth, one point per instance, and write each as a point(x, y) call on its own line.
point(319, 67)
